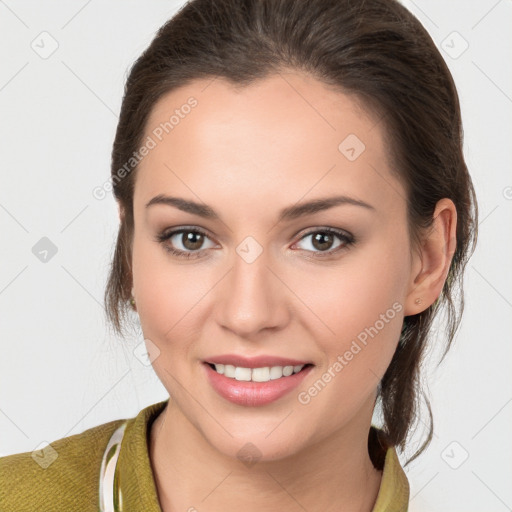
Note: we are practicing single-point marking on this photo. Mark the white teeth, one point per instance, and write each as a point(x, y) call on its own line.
point(287, 371)
point(229, 370)
point(257, 374)
point(242, 373)
point(261, 374)
point(276, 372)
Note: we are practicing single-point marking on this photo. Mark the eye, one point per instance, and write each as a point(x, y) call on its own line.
point(188, 242)
point(185, 242)
point(324, 241)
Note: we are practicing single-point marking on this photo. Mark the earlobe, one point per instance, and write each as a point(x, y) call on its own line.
point(436, 253)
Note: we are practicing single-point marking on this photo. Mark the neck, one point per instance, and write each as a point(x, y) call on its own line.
point(331, 475)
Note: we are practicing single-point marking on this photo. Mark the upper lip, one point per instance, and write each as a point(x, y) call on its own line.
point(254, 362)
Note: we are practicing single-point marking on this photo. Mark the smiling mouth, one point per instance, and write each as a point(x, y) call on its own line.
point(262, 374)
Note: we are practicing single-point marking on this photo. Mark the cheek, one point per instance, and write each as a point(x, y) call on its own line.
point(164, 291)
point(359, 308)
point(361, 313)
point(170, 297)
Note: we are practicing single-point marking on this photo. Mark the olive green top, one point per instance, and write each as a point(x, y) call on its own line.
point(64, 475)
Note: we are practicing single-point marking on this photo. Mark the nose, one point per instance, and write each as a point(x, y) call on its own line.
point(254, 298)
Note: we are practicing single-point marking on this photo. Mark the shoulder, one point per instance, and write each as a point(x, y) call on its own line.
point(61, 476)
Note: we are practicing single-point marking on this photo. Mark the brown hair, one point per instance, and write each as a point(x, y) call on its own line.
point(376, 51)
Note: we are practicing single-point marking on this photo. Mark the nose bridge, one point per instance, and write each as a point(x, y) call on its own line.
point(253, 297)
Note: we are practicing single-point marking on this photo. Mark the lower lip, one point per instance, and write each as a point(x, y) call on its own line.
point(253, 394)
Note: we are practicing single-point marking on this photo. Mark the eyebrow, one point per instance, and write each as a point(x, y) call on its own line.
point(286, 214)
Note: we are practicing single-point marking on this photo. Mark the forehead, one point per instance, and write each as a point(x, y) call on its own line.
point(281, 138)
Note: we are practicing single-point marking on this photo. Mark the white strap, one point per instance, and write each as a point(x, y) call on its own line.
point(107, 472)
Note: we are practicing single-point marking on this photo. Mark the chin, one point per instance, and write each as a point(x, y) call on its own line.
point(251, 448)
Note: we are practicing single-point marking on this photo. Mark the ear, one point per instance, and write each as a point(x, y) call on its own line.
point(432, 261)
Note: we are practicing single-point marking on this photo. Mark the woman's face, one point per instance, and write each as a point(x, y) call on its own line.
point(260, 283)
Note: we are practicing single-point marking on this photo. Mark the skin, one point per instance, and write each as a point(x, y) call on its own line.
point(248, 153)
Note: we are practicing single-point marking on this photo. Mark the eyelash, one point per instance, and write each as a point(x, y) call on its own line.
point(345, 238)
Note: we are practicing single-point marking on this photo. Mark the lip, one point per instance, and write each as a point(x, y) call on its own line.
point(253, 394)
point(254, 362)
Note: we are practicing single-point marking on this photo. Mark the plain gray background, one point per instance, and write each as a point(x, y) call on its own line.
point(62, 372)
